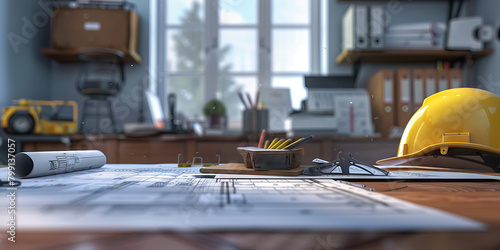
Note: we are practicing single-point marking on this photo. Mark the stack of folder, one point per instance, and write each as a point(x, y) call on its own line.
point(363, 27)
point(397, 94)
point(426, 35)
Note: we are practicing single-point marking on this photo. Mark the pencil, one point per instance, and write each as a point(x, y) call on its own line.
point(278, 143)
point(293, 143)
point(266, 144)
point(284, 144)
point(261, 139)
point(299, 142)
point(273, 142)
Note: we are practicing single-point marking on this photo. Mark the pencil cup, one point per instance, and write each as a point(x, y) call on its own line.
point(265, 159)
point(255, 120)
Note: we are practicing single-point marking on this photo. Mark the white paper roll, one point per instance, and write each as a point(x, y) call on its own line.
point(34, 164)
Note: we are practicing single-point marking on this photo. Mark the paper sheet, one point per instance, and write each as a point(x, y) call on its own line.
point(164, 197)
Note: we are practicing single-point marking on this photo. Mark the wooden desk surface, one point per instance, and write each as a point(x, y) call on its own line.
point(476, 200)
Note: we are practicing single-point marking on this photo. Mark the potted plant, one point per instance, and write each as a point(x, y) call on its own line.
point(215, 110)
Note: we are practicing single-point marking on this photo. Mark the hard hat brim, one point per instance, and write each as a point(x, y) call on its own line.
point(430, 150)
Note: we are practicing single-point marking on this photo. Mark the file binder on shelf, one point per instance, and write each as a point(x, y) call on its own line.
point(403, 95)
point(355, 28)
point(381, 90)
point(429, 82)
point(442, 80)
point(377, 27)
point(418, 88)
point(455, 78)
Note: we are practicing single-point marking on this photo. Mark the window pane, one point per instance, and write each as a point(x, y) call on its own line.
point(298, 91)
point(238, 12)
point(185, 50)
point(229, 87)
point(186, 12)
point(290, 11)
point(189, 91)
point(290, 50)
point(238, 51)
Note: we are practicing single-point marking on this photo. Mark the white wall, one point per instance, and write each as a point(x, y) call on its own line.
point(24, 71)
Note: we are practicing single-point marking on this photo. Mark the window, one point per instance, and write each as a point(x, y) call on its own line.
point(217, 48)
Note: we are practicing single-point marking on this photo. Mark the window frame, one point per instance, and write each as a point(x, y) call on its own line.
point(264, 73)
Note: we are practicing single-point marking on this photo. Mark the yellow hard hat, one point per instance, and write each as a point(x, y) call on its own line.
point(462, 123)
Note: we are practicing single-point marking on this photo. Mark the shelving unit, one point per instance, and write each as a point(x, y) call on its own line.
point(72, 55)
point(388, 56)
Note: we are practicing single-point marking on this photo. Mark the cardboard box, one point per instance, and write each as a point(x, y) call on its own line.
point(77, 28)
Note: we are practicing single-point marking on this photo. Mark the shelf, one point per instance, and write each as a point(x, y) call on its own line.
point(392, 56)
point(72, 55)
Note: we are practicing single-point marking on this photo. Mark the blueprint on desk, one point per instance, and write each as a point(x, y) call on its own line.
point(168, 198)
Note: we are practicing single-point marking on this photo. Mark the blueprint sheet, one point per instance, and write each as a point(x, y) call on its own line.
point(168, 198)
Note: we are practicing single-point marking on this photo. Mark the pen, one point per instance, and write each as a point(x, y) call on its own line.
point(257, 99)
point(261, 140)
point(250, 100)
point(299, 142)
point(242, 100)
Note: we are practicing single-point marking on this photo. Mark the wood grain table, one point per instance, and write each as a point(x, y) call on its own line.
point(478, 200)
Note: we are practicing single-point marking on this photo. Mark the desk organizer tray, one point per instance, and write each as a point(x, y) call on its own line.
point(271, 159)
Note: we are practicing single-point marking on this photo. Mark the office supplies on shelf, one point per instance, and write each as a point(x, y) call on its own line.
point(417, 27)
point(403, 97)
point(377, 26)
point(430, 82)
point(355, 28)
point(381, 89)
point(442, 80)
point(271, 159)
point(468, 33)
point(35, 164)
point(426, 35)
point(455, 78)
point(418, 88)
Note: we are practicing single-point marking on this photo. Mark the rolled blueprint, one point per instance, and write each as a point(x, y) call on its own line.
point(34, 164)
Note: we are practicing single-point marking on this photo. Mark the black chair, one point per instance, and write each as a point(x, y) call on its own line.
point(101, 77)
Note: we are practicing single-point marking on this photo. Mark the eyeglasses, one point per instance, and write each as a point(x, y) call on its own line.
point(343, 165)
